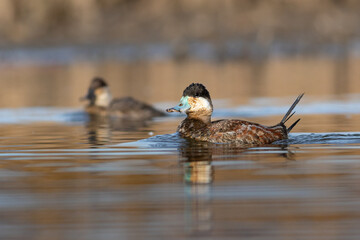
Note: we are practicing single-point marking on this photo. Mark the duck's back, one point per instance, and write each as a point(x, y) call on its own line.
point(128, 107)
point(226, 131)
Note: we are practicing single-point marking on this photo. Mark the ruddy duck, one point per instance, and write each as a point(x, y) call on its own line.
point(102, 103)
point(197, 105)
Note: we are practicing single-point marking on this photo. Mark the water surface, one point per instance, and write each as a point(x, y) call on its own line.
point(64, 175)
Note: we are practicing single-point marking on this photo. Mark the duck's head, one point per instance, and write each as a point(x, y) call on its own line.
point(98, 93)
point(195, 102)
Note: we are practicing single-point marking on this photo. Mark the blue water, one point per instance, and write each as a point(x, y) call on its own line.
point(232, 49)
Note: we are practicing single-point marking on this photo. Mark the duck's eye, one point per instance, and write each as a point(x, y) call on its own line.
point(180, 105)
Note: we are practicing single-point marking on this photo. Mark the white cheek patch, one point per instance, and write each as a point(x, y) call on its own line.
point(202, 103)
point(103, 98)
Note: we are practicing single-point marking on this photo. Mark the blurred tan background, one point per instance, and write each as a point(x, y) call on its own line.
point(152, 49)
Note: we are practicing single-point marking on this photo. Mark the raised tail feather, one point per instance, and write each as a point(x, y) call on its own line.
point(289, 114)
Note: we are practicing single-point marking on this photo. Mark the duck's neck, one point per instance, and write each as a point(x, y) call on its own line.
point(204, 118)
point(201, 110)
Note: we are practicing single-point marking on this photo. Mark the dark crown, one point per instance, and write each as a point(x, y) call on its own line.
point(196, 90)
point(98, 82)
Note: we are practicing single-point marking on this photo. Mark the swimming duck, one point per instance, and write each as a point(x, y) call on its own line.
point(102, 103)
point(197, 105)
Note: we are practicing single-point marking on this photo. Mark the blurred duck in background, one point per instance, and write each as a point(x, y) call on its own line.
point(197, 105)
point(101, 103)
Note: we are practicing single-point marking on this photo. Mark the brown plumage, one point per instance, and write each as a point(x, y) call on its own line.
point(198, 125)
point(101, 103)
point(227, 131)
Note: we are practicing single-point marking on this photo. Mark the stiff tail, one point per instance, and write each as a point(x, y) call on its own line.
point(289, 114)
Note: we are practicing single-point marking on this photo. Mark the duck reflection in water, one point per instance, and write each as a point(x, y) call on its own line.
point(100, 129)
point(199, 174)
point(196, 159)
